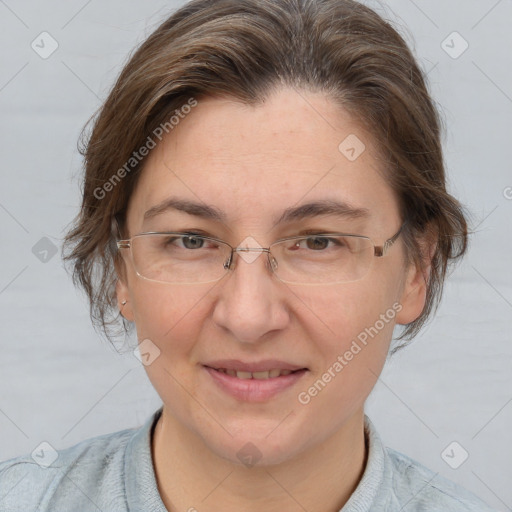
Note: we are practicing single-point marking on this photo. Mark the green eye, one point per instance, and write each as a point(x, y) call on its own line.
point(192, 242)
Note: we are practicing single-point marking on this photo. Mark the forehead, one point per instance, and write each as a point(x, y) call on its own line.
point(253, 162)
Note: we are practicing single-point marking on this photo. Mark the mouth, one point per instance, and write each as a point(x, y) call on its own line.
point(262, 375)
point(254, 382)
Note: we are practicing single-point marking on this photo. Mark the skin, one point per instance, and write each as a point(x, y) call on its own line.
point(252, 163)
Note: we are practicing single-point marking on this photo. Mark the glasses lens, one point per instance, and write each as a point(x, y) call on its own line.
point(178, 258)
point(323, 259)
point(192, 259)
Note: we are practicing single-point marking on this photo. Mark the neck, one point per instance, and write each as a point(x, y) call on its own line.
point(322, 478)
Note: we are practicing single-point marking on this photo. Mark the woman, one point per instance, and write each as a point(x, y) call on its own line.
point(264, 201)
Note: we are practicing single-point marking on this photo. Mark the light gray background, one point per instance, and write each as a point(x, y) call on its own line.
point(59, 382)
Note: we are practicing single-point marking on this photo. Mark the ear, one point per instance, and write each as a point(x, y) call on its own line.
point(123, 291)
point(123, 296)
point(414, 292)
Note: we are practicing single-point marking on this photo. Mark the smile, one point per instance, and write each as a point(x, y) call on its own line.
point(254, 383)
point(269, 374)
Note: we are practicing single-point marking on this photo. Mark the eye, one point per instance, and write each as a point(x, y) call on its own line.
point(192, 242)
point(319, 243)
point(188, 241)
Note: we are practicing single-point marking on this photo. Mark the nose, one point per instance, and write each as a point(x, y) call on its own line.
point(251, 301)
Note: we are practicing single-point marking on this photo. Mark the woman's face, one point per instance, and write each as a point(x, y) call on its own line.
point(251, 164)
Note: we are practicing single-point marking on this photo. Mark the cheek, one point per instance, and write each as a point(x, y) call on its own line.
point(166, 312)
point(352, 328)
point(172, 319)
point(343, 312)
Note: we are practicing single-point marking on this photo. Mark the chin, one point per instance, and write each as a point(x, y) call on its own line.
point(255, 454)
point(256, 444)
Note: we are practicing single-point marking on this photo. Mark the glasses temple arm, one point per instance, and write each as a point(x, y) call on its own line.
point(381, 250)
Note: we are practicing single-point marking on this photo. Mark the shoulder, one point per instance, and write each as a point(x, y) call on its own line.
point(79, 477)
point(422, 489)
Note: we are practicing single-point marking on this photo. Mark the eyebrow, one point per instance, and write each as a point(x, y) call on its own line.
point(292, 214)
point(322, 207)
point(183, 205)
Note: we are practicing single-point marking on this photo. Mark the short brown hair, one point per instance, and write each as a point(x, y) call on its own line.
point(245, 49)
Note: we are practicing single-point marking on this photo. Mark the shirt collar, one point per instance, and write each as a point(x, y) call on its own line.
point(376, 476)
point(139, 474)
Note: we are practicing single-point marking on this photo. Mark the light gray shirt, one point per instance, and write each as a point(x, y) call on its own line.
point(114, 473)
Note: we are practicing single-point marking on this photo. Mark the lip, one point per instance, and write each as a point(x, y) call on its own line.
point(255, 390)
point(257, 366)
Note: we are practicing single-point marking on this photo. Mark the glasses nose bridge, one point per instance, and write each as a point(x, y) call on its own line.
point(250, 258)
point(251, 249)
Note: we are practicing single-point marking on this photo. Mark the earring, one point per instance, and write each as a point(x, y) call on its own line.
point(123, 303)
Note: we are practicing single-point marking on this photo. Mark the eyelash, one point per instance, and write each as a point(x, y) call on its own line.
point(194, 232)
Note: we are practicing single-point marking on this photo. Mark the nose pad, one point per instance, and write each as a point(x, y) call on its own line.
point(273, 262)
point(227, 263)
